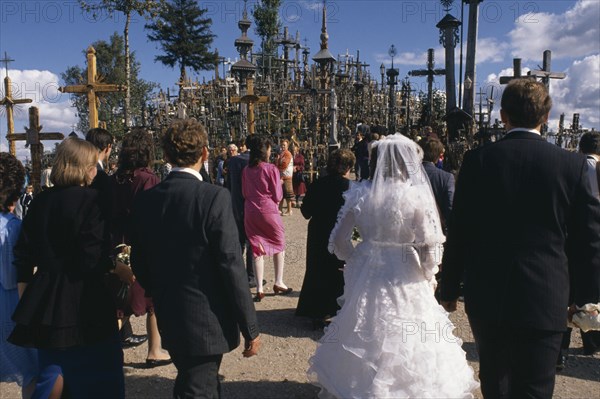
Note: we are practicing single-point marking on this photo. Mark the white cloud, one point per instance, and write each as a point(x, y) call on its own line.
point(405, 58)
point(576, 33)
point(489, 49)
point(312, 5)
point(414, 59)
point(579, 93)
point(56, 113)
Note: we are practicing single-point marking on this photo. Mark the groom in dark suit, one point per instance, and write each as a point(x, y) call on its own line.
point(524, 233)
point(442, 182)
point(186, 254)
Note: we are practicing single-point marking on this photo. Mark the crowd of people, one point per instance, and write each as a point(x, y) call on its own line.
point(387, 257)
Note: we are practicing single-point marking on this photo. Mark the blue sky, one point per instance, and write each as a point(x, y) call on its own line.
point(45, 37)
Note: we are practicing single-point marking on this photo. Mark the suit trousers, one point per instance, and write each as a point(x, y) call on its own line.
point(197, 376)
point(516, 362)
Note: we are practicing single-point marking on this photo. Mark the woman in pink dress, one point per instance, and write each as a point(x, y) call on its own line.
point(262, 191)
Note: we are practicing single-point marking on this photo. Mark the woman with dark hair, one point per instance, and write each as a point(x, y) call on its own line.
point(262, 191)
point(324, 280)
point(16, 364)
point(133, 176)
point(66, 310)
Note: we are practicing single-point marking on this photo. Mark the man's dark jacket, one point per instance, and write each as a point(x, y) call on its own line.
point(525, 231)
point(186, 254)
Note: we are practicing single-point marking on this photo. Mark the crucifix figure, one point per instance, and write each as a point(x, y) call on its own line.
point(33, 138)
point(430, 72)
point(250, 99)
point(92, 87)
point(8, 101)
point(481, 115)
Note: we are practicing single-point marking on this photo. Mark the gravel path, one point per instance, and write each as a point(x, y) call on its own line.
point(279, 371)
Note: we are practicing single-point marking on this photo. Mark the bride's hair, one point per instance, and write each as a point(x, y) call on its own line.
point(394, 165)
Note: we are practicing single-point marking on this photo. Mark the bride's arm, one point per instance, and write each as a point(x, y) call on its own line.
point(340, 240)
point(429, 241)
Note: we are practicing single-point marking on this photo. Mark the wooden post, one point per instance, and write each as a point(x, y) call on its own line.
point(469, 92)
point(92, 87)
point(546, 74)
point(33, 138)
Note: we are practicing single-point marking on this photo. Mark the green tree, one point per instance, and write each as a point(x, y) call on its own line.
point(268, 25)
point(144, 8)
point(185, 37)
point(110, 60)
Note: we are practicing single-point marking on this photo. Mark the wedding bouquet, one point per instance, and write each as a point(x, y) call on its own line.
point(587, 317)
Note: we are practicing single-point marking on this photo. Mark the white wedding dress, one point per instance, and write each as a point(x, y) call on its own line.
point(391, 339)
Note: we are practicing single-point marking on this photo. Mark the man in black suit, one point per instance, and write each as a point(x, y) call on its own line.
point(186, 254)
point(233, 182)
point(524, 232)
point(442, 182)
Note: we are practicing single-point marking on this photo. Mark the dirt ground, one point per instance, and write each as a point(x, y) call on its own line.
point(279, 371)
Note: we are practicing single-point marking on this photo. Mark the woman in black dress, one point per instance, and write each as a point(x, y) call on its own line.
point(324, 280)
point(66, 310)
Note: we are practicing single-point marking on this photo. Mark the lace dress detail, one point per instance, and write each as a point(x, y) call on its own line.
point(391, 339)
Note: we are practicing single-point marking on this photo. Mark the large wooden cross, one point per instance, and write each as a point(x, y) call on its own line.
point(8, 101)
point(250, 99)
point(430, 72)
point(92, 87)
point(33, 138)
point(545, 73)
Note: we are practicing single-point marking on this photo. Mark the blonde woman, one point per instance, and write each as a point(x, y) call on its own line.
point(65, 309)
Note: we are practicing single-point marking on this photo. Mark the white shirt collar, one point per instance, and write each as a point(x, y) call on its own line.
point(191, 171)
point(522, 129)
point(101, 164)
point(593, 156)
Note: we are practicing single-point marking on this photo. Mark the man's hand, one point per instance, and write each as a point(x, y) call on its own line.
point(450, 306)
point(251, 347)
point(124, 273)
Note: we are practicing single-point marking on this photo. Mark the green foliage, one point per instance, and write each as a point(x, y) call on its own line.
point(110, 61)
point(141, 7)
point(184, 36)
point(268, 25)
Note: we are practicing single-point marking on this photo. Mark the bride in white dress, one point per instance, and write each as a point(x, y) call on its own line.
point(391, 339)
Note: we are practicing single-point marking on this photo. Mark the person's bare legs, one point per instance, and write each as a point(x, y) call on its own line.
point(155, 350)
point(259, 272)
point(278, 261)
point(57, 390)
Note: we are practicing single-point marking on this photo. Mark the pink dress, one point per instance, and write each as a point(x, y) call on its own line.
point(262, 191)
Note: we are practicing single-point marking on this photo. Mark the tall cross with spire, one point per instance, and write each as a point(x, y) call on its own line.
point(6, 61)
